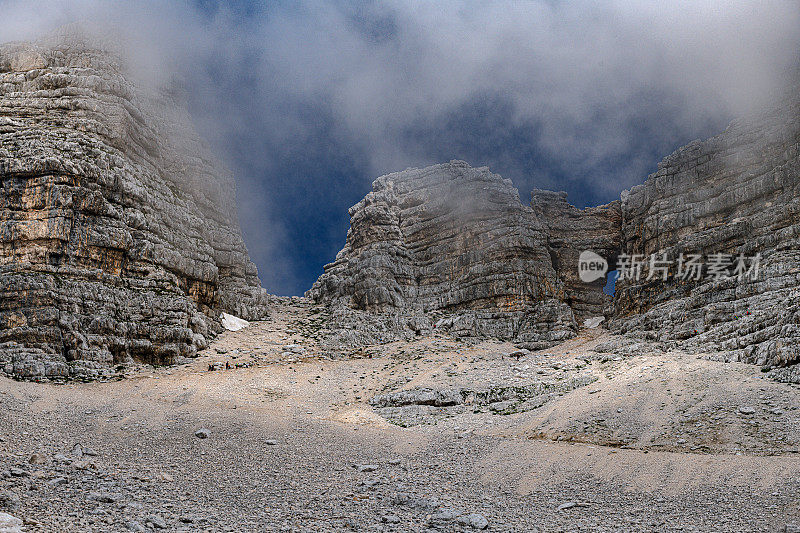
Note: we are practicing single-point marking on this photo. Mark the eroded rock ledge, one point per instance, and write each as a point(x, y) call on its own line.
point(119, 239)
point(735, 194)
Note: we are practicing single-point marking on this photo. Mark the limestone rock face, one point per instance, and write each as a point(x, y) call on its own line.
point(454, 241)
point(119, 239)
point(735, 194)
point(453, 246)
point(571, 231)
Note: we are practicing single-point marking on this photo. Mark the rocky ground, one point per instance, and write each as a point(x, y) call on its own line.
point(596, 434)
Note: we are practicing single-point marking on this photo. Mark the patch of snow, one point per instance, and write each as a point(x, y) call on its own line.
point(10, 524)
point(593, 322)
point(233, 323)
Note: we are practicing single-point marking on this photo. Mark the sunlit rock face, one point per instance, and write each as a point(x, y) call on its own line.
point(119, 238)
point(454, 241)
point(736, 194)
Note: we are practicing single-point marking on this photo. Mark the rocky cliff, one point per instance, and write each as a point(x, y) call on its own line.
point(569, 232)
point(456, 243)
point(709, 247)
point(734, 196)
point(119, 240)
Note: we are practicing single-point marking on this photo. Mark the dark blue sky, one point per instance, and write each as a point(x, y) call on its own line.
point(308, 103)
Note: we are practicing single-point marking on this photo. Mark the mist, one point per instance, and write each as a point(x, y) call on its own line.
point(308, 102)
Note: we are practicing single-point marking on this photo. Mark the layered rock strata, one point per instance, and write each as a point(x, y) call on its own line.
point(734, 196)
point(119, 240)
point(451, 238)
point(571, 231)
point(453, 243)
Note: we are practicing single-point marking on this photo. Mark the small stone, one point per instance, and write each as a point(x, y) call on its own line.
point(9, 501)
point(409, 500)
point(103, 497)
point(500, 407)
point(90, 452)
point(18, 472)
point(77, 451)
point(371, 483)
point(37, 459)
point(10, 524)
point(157, 522)
point(443, 516)
point(85, 465)
point(270, 442)
point(135, 526)
point(474, 520)
point(202, 433)
point(163, 476)
point(57, 481)
point(366, 468)
point(518, 354)
point(746, 410)
point(390, 519)
point(568, 505)
point(61, 458)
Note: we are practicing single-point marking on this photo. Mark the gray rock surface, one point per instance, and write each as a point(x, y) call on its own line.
point(119, 240)
point(570, 231)
point(448, 246)
point(735, 194)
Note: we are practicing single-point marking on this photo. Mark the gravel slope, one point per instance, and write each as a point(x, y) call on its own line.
point(653, 442)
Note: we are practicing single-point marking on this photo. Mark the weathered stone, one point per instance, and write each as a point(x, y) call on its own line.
point(452, 242)
point(450, 248)
point(570, 231)
point(10, 524)
point(9, 501)
point(736, 194)
point(473, 520)
point(119, 240)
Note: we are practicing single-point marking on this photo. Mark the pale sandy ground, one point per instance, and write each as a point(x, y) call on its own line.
point(658, 442)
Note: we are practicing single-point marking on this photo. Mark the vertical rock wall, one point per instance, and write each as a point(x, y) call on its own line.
point(735, 194)
point(571, 231)
point(454, 239)
point(119, 239)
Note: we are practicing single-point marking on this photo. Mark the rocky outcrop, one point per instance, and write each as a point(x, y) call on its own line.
point(456, 239)
point(455, 243)
point(119, 240)
point(571, 231)
point(737, 194)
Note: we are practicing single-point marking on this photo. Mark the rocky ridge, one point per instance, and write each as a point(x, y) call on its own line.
point(734, 196)
point(453, 246)
point(450, 247)
point(119, 240)
point(570, 231)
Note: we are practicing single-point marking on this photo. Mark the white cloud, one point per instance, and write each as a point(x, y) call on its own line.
point(581, 71)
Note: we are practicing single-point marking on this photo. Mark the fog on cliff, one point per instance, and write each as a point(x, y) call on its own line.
point(308, 102)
